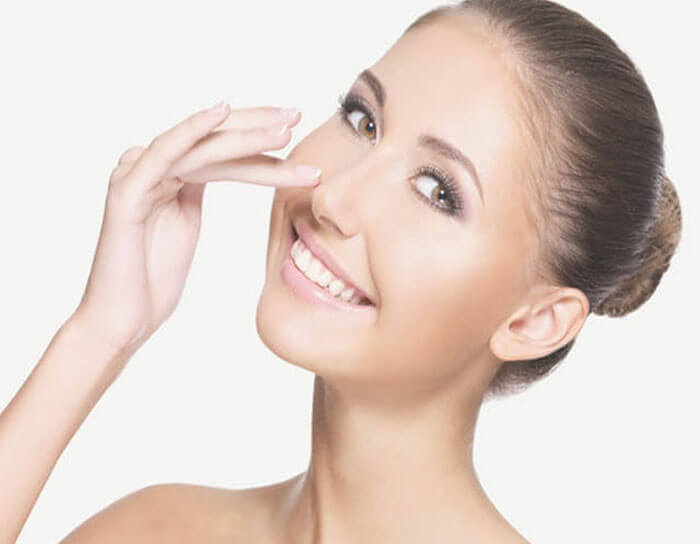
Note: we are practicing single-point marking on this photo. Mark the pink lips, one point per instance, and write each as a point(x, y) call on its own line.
point(326, 258)
point(312, 292)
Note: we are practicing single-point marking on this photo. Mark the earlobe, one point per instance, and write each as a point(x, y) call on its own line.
point(539, 329)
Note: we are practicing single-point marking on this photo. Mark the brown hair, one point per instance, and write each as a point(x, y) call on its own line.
point(608, 218)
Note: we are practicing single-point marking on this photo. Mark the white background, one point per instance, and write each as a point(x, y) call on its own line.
point(604, 450)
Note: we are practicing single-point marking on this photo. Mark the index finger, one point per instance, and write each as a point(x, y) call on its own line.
point(170, 145)
point(260, 116)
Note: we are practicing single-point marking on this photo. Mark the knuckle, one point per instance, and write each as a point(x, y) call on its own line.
point(114, 175)
point(130, 154)
point(157, 150)
point(158, 142)
point(117, 173)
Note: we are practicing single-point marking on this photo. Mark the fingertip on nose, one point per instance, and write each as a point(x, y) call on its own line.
point(289, 113)
point(306, 171)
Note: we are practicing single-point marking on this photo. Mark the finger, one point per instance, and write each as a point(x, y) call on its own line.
point(256, 169)
point(258, 117)
point(118, 172)
point(191, 196)
point(230, 144)
point(170, 145)
point(131, 154)
point(239, 118)
point(165, 191)
point(125, 163)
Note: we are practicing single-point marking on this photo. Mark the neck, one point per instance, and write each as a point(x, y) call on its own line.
point(383, 473)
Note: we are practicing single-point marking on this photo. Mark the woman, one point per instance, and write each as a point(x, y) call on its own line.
point(468, 218)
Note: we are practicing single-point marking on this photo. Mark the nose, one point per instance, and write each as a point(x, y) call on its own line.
point(341, 201)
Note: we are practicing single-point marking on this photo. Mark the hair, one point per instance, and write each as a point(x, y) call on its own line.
point(608, 219)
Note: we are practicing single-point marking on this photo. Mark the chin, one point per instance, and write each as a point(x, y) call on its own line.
point(305, 339)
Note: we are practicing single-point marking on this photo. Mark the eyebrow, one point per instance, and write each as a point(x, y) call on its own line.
point(430, 141)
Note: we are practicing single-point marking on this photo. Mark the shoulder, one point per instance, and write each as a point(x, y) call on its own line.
point(169, 512)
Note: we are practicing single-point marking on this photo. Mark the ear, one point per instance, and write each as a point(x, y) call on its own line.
point(542, 327)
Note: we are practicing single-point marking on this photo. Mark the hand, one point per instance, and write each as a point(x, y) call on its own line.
point(153, 209)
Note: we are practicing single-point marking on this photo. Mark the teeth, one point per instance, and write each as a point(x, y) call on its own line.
point(314, 270)
point(319, 274)
point(303, 259)
point(325, 278)
point(336, 286)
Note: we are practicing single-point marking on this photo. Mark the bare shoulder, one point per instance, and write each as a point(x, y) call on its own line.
point(172, 513)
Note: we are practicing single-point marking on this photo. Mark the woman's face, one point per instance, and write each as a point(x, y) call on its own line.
point(443, 261)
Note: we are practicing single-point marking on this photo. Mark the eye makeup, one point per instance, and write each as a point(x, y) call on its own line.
point(449, 192)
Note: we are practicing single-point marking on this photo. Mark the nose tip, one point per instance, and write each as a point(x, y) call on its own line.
point(340, 198)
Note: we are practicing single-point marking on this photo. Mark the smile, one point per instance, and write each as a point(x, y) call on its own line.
point(309, 275)
point(312, 268)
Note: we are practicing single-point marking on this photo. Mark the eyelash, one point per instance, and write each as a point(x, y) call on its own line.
point(349, 102)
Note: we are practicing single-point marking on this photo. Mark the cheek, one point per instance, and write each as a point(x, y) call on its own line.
point(442, 301)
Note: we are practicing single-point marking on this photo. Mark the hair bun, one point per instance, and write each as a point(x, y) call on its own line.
point(664, 236)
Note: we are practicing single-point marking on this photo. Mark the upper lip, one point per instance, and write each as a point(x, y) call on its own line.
point(326, 258)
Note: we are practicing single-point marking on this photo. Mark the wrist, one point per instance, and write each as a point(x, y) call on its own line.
point(104, 359)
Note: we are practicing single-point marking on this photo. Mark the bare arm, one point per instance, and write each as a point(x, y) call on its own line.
point(36, 426)
point(149, 232)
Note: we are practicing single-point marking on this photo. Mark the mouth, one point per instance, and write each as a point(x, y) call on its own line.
point(313, 274)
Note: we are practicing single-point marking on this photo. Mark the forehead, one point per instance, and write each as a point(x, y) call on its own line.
point(454, 64)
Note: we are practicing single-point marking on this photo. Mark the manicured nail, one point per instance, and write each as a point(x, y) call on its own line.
point(305, 171)
point(277, 131)
point(289, 113)
point(219, 107)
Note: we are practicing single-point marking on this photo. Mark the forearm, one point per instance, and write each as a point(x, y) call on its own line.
point(50, 406)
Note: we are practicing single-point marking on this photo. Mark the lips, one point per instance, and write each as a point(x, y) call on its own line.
point(303, 232)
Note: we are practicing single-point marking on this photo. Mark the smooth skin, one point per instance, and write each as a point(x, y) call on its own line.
point(149, 232)
point(397, 392)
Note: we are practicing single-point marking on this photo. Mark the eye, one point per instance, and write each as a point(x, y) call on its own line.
point(441, 194)
point(438, 188)
point(358, 116)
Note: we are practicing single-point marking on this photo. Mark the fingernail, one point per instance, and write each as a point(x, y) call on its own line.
point(276, 131)
point(219, 107)
point(289, 113)
point(305, 171)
